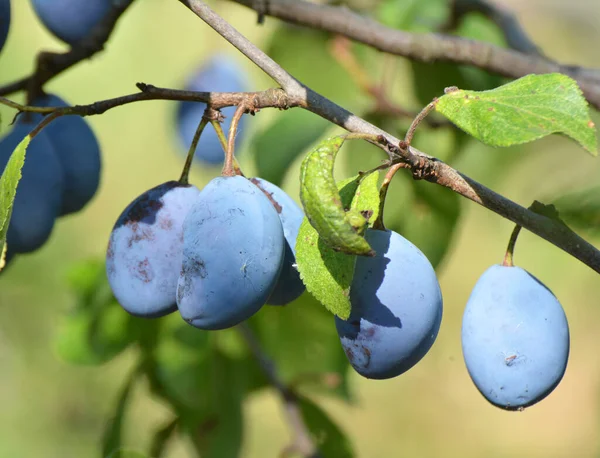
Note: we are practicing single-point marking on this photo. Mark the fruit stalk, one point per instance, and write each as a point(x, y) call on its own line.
point(190, 156)
point(228, 168)
point(508, 257)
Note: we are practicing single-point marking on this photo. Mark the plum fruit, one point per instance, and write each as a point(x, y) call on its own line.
point(71, 20)
point(515, 338)
point(233, 250)
point(223, 74)
point(39, 194)
point(289, 286)
point(78, 151)
point(145, 249)
point(4, 21)
point(396, 308)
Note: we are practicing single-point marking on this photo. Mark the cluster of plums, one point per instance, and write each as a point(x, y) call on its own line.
point(218, 255)
point(60, 176)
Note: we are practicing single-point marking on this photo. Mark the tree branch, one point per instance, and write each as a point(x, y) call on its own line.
point(422, 165)
point(425, 47)
point(50, 64)
point(302, 442)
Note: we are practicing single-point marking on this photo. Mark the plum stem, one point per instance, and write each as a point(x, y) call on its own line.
point(223, 140)
point(228, 167)
point(508, 257)
point(303, 443)
point(192, 151)
point(378, 223)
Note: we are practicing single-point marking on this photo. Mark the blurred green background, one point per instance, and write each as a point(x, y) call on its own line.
point(50, 408)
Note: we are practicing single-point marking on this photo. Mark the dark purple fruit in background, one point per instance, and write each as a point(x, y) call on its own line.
point(515, 338)
point(145, 249)
point(40, 191)
point(4, 21)
point(396, 308)
point(289, 286)
point(71, 20)
point(232, 256)
point(221, 74)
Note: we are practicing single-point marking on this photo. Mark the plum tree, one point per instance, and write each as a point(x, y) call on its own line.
point(289, 286)
point(39, 197)
point(396, 308)
point(71, 20)
point(4, 21)
point(232, 254)
point(515, 338)
point(220, 73)
point(79, 153)
point(146, 248)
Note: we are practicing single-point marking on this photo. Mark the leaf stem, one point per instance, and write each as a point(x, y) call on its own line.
point(223, 140)
point(418, 119)
point(508, 257)
point(183, 179)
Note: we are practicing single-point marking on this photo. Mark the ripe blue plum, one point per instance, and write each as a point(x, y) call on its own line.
point(232, 255)
point(71, 20)
point(4, 21)
point(222, 74)
point(515, 338)
point(79, 153)
point(396, 308)
point(289, 286)
point(39, 193)
point(145, 249)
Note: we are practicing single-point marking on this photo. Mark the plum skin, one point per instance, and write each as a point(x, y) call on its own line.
point(145, 249)
point(232, 256)
point(4, 21)
point(289, 286)
point(220, 73)
point(71, 20)
point(396, 308)
point(39, 192)
point(515, 338)
point(78, 151)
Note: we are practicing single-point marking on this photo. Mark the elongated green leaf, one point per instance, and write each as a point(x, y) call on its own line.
point(111, 442)
point(328, 437)
point(8, 186)
point(338, 228)
point(522, 111)
point(326, 273)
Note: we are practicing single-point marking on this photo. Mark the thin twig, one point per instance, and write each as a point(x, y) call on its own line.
point(50, 64)
point(426, 47)
point(302, 442)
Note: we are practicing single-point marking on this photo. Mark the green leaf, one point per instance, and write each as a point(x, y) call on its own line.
point(98, 328)
point(161, 439)
point(413, 15)
point(326, 273)
point(8, 186)
point(581, 208)
point(317, 363)
point(337, 228)
point(113, 433)
point(328, 437)
point(282, 141)
point(522, 111)
point(127, 453)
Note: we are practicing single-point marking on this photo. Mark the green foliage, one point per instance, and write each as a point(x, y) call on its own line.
point(283, 140)
point(581, 208)
point(8, 187)
point(328, 437)
point(98, 328)
point(113, 434)
point(521, 111)
point(326, 273)
point(338, 226)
